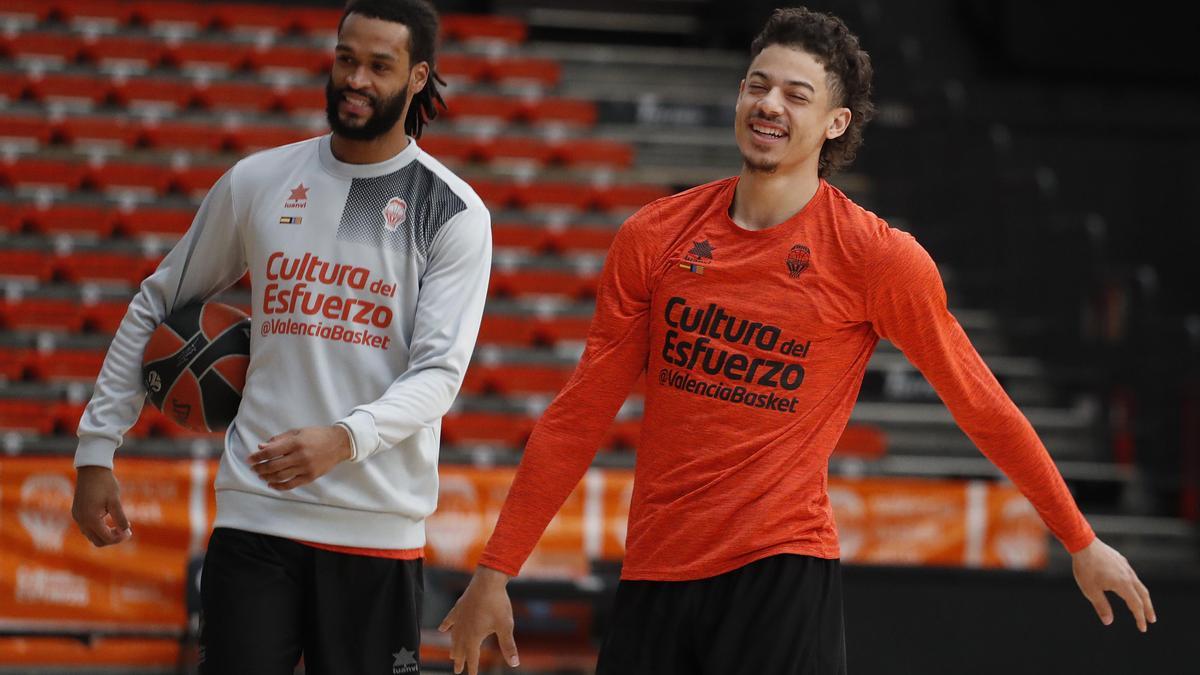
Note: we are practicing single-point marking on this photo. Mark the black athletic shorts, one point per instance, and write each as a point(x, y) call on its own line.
point(781, 615)
point(266, 601)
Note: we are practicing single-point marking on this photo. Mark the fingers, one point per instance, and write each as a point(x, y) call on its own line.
point(1134, 603)
point(508, 647)
point(1100, 604)
point(473, 658)
point(1145, 595)
point(275, 470)
point(292, 483)
point(276, 446)
point(118, 514)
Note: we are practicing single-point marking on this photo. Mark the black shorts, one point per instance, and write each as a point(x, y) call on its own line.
point(780, 615)
point(267, 601)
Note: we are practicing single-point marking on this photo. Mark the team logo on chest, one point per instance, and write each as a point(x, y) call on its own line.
point(395, 213)
point(298, 198)
point(798, 260)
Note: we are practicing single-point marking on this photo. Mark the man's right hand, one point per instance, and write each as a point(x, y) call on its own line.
point(98, 498)
point(483, 609)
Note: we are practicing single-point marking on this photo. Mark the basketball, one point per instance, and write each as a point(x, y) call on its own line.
point(195, 365)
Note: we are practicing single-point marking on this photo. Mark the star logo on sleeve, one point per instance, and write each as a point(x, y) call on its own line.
point(701, 251)
point(405, 661)
point(298, 198)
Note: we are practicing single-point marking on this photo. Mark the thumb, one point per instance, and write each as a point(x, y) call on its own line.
point(118, 514)
point(508, 647)
point(1100, 604)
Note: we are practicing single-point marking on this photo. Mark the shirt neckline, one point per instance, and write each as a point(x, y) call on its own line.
point(779, 229)
point(345, 170)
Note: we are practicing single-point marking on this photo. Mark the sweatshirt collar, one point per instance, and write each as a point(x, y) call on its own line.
point(344, 170)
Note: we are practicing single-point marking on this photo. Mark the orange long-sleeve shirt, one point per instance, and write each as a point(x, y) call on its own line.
point(755, 344)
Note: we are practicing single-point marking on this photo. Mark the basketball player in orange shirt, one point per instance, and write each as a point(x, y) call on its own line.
point(731, 559)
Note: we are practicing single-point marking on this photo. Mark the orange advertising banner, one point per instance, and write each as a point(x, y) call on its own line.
point(51, 576)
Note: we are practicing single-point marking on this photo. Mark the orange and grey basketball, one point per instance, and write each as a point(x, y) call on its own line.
point(195, 365)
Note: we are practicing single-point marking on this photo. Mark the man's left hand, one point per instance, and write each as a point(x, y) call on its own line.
point(1099, 568)
point(300, 456)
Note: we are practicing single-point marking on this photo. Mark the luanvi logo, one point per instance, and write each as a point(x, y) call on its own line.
point(298, 198)
point(405, 662)
point(702, 251)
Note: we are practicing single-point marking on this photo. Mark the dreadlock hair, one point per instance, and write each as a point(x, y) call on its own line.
point(831, 43)
point(422, 21)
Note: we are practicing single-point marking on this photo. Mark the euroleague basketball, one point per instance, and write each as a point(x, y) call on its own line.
point(195, 365)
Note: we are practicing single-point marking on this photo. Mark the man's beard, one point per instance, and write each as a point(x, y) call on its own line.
point(384, 114)
point(759, 167)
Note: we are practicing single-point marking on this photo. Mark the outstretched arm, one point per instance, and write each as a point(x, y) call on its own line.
point(907, 305)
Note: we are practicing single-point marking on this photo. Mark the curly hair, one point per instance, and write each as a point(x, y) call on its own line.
point(422, 21)
point(848, 69)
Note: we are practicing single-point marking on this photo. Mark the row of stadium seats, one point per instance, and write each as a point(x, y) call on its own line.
point(89, 90)
point(92, 221)
point(235, 17)
point(71, 315)
point(151, 179)
point(128, 270)
point(117, 133)
point(126, 53)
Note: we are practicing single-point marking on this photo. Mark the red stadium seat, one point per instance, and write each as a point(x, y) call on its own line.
point(30, 173)
point(525, 70)
point(532, 238)
point(501, 329)
point(155, 222)
point(191, 16)
point(156, 91)
point(82, 131)
point(118, 176)
point(628, 196)
point(510, 430)
point(566, 111)
point(450, 148)
point(522, 282)
point(28, 264)
point(103, 266)
point(12, 87)
point(66, 364)
point(464, 67)
point(307, 60)
point(172, 135)
point(554, 195)
point(88, 220)
point(58, 314)
point(249, 139)
point(25, 129)
point(197, 180)
point(510, 149)
point(473, 106)
point(128, 52)
point(14, 362)
point(470, 27)
point(316, 20)
point(622, 435)
point(245, 96)
point(253, 18)
point(26, 12)
point(303, 100)
point(512, 379)
point(66, 417)
point(80, 90)
point(104, 317)
point(223, 56)
point(27, 416)
point(61, 48)
point(585, 239)
point(594, 152)
point(94, 12)
point(555, 330)
point(497, 194)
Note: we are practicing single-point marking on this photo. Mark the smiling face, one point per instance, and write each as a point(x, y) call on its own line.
point(372, 82)
point(785, 112)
